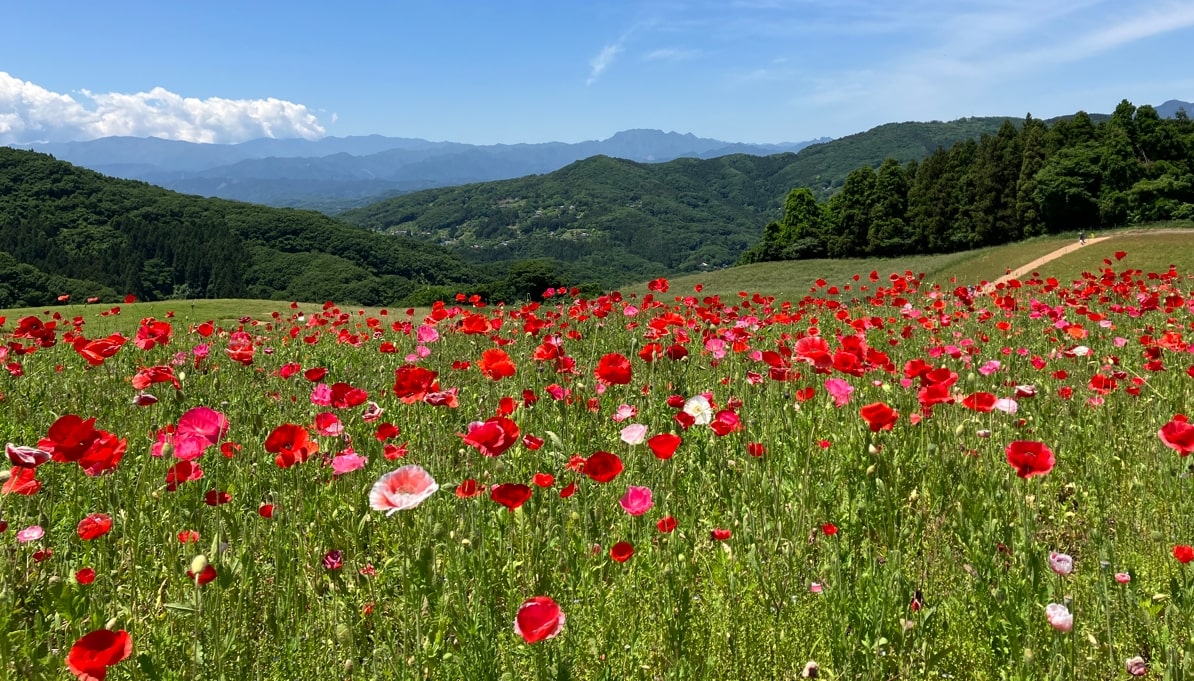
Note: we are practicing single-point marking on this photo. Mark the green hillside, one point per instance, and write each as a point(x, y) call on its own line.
point(65, 230)
point(622, 220)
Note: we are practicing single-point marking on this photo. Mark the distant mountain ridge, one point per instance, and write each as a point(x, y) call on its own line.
point(334, 172)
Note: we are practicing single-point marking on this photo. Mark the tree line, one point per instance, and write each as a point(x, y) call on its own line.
point(1022, 181)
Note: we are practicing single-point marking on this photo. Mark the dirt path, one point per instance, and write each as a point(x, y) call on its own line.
point(1030, 267)
point(1027, 269)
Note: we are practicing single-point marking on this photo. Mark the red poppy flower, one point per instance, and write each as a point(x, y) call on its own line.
point(1030, 458)
point(69, 438)
point(495, 364)
point(291, 443)
point(666, 524)
point(385, 431)
point(720, 534)
point(85, 576)
point(215, 497)
point(148, 376)
point(90, 656)
point(621, 552)
point(1183, 553)
point(205, 576)
point(539, 619)
point(23, 482)
point(602, 466)
point(468, 488)
point(104, 454)
point(879, 416)
point(980, 402)
point(568, 491)
point(94, 526)
point(152, 333)
point(756, 449)
point(493, 436)
point(315, 374)
point(266, 511)
point(344, 396)
point(829, 529)
point(544, 480)
point(613, 369)
point(100, 349)
point(1178, 435)
point(664, 445)
point(183, 471)
point(188, 537)
point(333, 560)
point(511, 495)
point(412, 383)
point(725, 422)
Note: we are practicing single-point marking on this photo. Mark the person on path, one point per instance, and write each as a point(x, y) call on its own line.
point(1081, 238)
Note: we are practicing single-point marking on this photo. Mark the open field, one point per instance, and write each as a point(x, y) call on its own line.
point(917, 485)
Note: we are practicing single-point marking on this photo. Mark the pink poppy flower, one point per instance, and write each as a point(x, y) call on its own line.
point(1059, 617)
point(347, 461)
point(839, 390)
point(27, 457)
point(31, 533)
point(1061, 563)
point(198, 429)
point(634, 434)
point(402, 489)
point(637, 500)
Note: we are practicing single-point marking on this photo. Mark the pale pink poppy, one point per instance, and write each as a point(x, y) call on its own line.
point(716, 347)
point(1123, 578)
point(1059, 617)
point(989, 367)
point(816, 587)
point(31, 533)
point(634, 434)
point(625, 411)
point(328, 424)
point(1006, 405)
point(198, 429)
point(637, 500)
point(402, 489)
point(839, 390)
point(373, 411)
point(1061, 563)
point(348, 461)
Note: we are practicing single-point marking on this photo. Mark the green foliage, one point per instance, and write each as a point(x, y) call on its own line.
point(1078, 175)
point(104, 237)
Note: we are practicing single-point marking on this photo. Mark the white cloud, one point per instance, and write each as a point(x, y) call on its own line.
point(671, 54)
point(31, 113)
point(601, 62)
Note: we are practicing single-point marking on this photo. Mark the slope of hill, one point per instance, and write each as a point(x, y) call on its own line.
point(337, 172)
point(67, 230)
point(645, 219)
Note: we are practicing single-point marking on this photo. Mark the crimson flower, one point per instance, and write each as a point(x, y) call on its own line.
point(602, 466)
point(1178, 434)
point(495, 364)
point(85, 576)
point(1030, 458)
point(333, 560)
point(980, 402)
point(27, 457)
point(492, 436)
point(621, 552)
point(412, 383)
point(613, 369)
point(291, 443)
point(90, 656)
point(539, 619)
point(215, 497)
point(666, 524)
point(468, 489)
point(511, 495)
point(183, 471)
point(205, 576)
point(100, 349)
point(1183, 553)
point(878, 416)
point(23, 481)
point(720, 534)
point(344, 396)
point(94, 526)
point(664, 445)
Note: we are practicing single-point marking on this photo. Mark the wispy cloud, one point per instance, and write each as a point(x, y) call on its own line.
point(31, 113)
point(671, 54)
point(602, 60)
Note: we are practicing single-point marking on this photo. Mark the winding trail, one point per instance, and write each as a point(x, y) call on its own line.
point(1065, 250)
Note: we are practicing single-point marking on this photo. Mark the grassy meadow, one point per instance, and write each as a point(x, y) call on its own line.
point(895, 481)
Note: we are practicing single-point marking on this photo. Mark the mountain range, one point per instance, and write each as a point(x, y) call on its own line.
point(335, 173)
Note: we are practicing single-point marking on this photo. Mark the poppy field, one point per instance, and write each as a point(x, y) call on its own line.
point(890, 479)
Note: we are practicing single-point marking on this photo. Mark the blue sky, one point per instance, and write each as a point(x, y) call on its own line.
point(522, 71)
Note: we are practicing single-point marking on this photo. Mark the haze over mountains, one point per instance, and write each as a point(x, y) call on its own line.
point(334, 173)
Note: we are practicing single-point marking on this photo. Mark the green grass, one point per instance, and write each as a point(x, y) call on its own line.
point(1146, 252)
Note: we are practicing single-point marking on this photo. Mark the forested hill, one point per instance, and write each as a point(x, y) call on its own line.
point(67, 230)
point(1076, 174)
point(644, 220)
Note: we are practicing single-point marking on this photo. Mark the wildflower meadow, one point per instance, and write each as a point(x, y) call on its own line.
point(886, 479)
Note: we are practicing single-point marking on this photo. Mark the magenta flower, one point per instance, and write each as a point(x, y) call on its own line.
point(348, 461)
point(637, 500)
point(839, 390)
